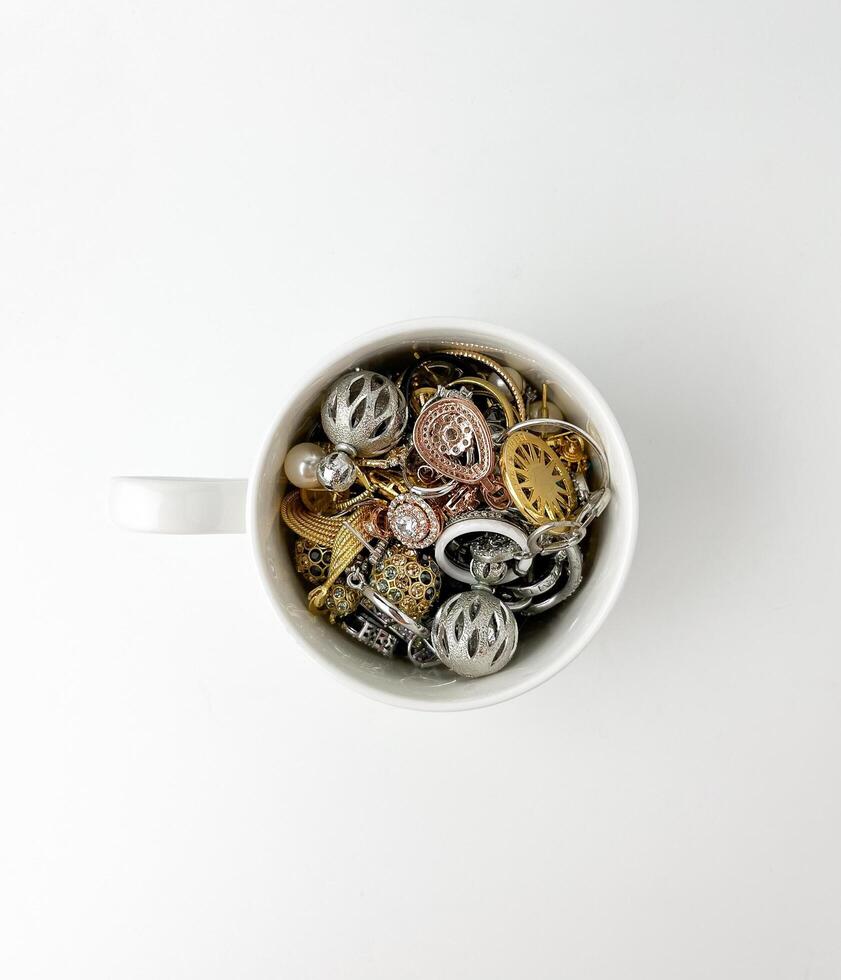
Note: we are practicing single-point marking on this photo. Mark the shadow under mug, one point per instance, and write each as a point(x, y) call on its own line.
point(201, 506)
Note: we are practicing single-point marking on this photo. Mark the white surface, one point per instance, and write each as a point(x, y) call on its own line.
point(196, 198)
point(178, 505)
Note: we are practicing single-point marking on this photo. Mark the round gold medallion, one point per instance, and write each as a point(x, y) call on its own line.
point(539, 483)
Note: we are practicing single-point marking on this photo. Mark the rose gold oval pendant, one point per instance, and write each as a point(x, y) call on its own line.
point(452, 436)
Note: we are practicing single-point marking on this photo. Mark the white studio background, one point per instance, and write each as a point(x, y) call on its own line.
point(196, 201)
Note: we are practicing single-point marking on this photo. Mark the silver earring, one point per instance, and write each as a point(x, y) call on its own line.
point(364, 413)
point(474, 633)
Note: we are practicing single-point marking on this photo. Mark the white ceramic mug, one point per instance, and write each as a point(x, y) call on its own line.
point(191, 506)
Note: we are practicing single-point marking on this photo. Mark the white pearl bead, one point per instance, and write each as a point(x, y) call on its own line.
point(552, 410)
point(301, 465)
point(497, 381)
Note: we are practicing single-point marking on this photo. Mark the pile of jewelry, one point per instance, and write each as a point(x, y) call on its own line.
point(436, 503)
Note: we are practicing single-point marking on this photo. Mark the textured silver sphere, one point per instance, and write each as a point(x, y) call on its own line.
point(301, 465)
point(336, 471)
point(488, 573)
point(474, 633)
point(364, 411)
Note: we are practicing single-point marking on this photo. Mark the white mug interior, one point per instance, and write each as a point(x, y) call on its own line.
point(551, 641)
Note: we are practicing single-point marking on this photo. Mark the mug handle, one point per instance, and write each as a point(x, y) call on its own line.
point(178, 505)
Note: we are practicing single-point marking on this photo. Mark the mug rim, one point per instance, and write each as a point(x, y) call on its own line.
point(407, 329)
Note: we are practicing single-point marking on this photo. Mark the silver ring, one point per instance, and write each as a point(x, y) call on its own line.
point(420, 491)
point(543, 585)
point(472, 524)
point(564, 534)
point(394, 613)
point(574, 576)
point(560, 423)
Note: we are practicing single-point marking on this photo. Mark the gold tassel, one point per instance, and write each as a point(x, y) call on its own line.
point(314, 527)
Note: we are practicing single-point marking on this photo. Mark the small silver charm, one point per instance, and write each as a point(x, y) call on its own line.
point(365, 628)
point(488, 556)
point(463, 529)
point(385, 610)
point(336, 471)
point(474, 633)
point(364, 413)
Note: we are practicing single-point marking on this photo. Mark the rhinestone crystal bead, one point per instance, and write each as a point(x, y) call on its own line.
point(341, 601)
point(411, 581)
point(413, 521)
point(312, 562)
point(336, 471)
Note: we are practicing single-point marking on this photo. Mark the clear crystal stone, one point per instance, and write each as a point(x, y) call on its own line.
point(410, 522)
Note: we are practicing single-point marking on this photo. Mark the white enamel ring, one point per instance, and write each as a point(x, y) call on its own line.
point(474, 525)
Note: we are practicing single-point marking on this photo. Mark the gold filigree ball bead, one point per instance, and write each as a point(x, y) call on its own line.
point(341, 601)
point(571, 448)
point(410, 580)
point(312, 561)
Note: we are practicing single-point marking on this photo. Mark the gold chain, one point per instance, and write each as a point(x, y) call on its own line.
point(489, 362)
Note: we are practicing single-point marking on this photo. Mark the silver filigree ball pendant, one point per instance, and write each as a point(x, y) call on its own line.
point(363, 414)
point(474, 633)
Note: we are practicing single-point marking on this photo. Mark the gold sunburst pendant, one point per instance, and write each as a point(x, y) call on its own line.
point(535, 476)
